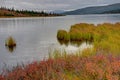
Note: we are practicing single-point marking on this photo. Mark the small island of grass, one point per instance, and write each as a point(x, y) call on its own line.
point(10, 43)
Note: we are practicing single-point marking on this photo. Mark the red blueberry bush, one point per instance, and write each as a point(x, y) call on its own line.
point(71, 67)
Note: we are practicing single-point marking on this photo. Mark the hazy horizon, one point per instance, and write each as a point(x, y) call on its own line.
point(51, 5)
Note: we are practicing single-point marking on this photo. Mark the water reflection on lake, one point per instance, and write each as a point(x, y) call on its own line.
point(11, 49)
point(34, 36)
point(70, 48)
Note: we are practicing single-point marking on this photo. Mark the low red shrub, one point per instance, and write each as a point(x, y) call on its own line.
point(99, 67)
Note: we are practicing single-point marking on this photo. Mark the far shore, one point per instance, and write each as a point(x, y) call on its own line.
point(26, 16)
point(11, 13)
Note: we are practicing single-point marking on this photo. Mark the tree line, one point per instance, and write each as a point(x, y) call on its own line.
point(12, 12)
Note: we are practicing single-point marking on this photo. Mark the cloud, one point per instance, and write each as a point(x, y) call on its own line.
point(53, 4)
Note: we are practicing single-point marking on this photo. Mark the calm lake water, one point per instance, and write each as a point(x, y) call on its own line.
point(36, 36)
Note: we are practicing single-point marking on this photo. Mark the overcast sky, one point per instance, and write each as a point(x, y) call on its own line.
point(54, 4)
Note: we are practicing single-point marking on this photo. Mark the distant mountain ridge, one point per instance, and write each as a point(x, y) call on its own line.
point(113, 8)
point(58, 11)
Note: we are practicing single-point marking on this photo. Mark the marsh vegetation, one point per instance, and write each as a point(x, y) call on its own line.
point(10, 44)
point(68, 67)
point(104, 37)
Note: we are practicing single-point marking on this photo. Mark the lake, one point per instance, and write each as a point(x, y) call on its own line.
point(36, 36)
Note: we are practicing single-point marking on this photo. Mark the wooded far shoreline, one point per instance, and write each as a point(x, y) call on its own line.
point(5, 12)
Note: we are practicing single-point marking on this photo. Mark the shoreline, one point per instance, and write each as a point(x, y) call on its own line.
point(27, 16)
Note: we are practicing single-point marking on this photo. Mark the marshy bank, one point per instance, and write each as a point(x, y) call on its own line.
point(104, 37)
